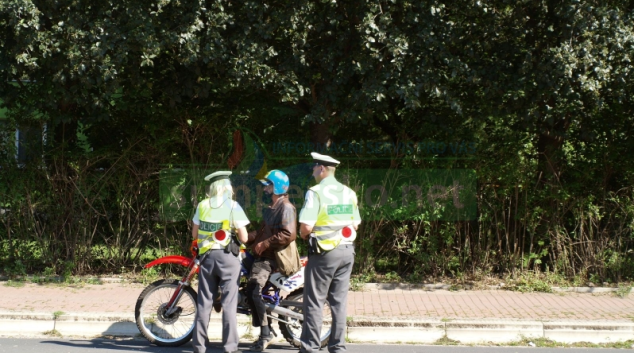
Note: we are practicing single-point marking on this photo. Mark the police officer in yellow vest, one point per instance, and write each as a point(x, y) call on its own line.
point(329, 221)
point(215, 219)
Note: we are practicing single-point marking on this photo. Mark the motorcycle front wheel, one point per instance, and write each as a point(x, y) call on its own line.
point(152, 320)
point(293, 330)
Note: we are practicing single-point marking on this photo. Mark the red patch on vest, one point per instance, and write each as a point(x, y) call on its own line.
point(346, 232)
point(220, 235)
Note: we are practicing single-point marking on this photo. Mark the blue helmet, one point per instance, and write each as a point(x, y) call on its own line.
point(279, 179)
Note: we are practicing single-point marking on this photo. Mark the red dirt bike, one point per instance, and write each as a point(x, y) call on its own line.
point(165, 311)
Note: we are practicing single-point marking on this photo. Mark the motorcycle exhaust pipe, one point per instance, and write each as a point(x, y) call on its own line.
point(284, 312)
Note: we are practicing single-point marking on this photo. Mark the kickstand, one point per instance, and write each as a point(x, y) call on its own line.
point(272, 330)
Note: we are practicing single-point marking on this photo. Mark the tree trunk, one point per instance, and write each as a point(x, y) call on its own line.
point(320, 134)
point(549, 147)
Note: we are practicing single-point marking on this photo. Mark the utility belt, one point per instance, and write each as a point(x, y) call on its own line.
point(233, 246)
point(314, 247)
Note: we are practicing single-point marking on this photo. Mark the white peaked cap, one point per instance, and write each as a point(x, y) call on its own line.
point(223, 174)
point(324, 160)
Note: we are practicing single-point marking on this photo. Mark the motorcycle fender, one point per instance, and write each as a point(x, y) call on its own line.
point(290, 283)
point(172, 259)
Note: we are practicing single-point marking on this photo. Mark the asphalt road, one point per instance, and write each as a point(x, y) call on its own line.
point(30, 345)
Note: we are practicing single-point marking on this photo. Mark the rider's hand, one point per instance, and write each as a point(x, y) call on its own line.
point(259, 248)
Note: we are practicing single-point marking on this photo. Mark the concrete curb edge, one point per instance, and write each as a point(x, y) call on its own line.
point(360, 329)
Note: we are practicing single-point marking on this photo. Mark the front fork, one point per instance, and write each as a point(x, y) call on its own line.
point(171, 306)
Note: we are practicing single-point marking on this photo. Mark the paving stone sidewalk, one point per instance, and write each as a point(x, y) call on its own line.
point(402, 304)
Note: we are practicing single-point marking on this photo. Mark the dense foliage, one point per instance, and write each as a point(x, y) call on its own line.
point(539, 92)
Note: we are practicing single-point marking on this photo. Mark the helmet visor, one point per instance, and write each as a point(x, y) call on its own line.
point(265, 182)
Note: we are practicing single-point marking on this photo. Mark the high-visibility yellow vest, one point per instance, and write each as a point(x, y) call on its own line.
point(214, 230)
point(335, 220)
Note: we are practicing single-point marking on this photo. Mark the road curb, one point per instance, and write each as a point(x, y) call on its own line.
point(483, 331)
point(595, 332)
point(496, 331)
point(91, 325)
point(360, 329)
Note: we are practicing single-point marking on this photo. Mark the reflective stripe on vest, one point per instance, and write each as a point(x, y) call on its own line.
point(347, 233)
point(335, 213)
point(214, 231)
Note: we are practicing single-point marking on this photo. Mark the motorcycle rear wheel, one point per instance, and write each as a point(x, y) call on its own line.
point(160, 329)
point(293, 331)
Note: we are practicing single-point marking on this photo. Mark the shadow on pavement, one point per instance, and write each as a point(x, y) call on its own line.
point(130, 345)
point(133, 345)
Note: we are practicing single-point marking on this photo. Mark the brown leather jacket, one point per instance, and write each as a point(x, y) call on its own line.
point(278, 230)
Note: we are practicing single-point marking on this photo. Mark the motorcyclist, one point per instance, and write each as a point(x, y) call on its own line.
point(279, 229)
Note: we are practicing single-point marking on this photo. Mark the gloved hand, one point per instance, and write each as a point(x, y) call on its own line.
point(193, 248)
